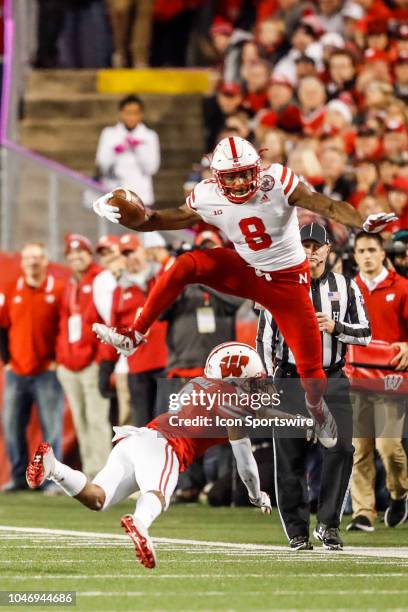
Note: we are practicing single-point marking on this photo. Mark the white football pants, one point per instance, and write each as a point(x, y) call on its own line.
point(143, 460)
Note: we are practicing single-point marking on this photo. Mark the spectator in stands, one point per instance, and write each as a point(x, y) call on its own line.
point(216, 109)
point(342, 73)
point(131, 22)
point(77, 348)
point(107, 249)
point(330, 15)
point(304, 41)
point(337, 184)
point(395, 142)
point(273, 143)
point(304, 161)
point(49, 27)
point(156, 251)
point(270, 36)
point(401, 77)
point(146, 366)
point(29, 319)
point(228, 44)
point(305, 66)
point(312, 99)
point(352, 31)
point(256, 80)
point(128, 153)
point(366, 181)
point(172, 25)
point(368, 144)
point(104, 285)
point(85, 40)
point(379, 419)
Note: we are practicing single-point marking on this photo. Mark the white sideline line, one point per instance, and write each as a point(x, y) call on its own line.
point(205, 593)
point(214, 576)
point(396, 552)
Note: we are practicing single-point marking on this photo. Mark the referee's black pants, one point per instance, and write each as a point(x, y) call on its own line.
point(291, 452)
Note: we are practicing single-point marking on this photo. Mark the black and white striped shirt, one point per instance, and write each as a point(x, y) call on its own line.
point(339, 298)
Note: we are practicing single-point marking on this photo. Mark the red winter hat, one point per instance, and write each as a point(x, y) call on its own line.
point(376, 26)
point(230, 89)
point(221, 26)
point(375, 55)
point(129, 242)
point(269, 119)
point(77, 241)
point(290, 119)
point(106, 242)
point(400, 183)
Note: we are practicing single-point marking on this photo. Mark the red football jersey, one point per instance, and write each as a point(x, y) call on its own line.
point(196, 422)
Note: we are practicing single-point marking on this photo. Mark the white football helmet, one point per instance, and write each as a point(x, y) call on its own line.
point(234, 360)
point(236, 155)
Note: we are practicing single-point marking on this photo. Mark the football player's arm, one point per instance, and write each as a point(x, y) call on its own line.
point(168, 219)
point(339, 211)
point(248, 468)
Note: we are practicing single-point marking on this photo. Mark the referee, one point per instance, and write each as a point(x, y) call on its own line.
point(342, 320)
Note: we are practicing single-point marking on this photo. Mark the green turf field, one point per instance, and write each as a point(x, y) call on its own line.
point(193, 576)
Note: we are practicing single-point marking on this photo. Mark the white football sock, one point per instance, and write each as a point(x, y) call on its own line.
point(148, 508)
point(71, 481)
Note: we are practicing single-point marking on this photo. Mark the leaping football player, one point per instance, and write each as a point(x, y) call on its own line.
point(256, 209)
point(150, 458)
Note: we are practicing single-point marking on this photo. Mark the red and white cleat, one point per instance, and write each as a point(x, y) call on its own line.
point(325, 426)
point(125, 341)
point(143, 545)
point(41, 467)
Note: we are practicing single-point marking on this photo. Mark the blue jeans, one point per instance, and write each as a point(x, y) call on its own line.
point(20, 393)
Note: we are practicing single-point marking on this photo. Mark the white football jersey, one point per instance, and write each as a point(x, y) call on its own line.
point(264, 230)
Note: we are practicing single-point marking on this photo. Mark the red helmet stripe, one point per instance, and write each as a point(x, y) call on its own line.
point(233, 147)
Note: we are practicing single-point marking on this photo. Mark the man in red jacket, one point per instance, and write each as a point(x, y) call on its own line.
point(386, 297)
point(29, 318)
point(76, 356)
point(146, 366)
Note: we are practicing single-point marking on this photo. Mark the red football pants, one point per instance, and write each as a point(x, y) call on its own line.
point(286, 296)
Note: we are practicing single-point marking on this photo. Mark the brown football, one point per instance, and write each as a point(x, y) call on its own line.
point(131, 207)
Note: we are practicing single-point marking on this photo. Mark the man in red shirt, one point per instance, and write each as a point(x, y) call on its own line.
point(76, 356)
point(29, 319)
point(382, 416)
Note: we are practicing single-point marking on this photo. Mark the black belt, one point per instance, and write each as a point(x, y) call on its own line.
point(289, 369)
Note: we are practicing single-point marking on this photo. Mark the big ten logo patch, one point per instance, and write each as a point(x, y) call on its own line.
point(233, 365)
